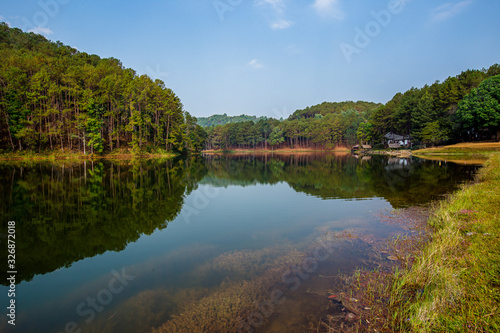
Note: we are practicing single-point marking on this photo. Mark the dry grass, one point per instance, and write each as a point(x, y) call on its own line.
point(475, 145)
point(477, 148)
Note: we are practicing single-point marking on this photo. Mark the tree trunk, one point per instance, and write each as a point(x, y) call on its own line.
point(166, 136)
point(8, 129)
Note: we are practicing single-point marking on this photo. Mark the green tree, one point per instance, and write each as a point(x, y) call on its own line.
point(433, 133)
point(195, 135)
point(94, 126)
point(365, 132)
point(264, 129)
point(480, 110)
point(276, 136)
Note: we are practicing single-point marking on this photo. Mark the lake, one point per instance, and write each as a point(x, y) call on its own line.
point(209, 243)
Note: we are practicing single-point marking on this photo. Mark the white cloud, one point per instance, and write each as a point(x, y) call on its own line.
point(277, 5)
point(42, 31)
point(255, 64)
point(329, 8)
point(448, 10)
point(281, 24)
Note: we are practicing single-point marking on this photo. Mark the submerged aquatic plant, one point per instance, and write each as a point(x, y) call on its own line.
point(223, 308)
point(361, 301)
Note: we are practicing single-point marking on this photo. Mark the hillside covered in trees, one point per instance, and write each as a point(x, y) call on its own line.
point(53, 96)
point(462, 108)
point(222, 119)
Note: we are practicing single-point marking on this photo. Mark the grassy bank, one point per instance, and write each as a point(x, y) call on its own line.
point(454, 285)
point(123, 153)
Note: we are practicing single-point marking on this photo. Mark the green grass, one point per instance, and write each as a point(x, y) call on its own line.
point(454, 285)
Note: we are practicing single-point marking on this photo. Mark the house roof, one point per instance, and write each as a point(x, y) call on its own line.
point(392, 136)
point(362, 146)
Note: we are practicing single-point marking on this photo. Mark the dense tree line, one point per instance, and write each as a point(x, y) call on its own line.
point(462, 108)
point(322, 126)
point(53, 96)
point(436, 114)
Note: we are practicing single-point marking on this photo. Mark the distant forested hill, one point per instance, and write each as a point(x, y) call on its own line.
point(332, 107)
point(222, 119)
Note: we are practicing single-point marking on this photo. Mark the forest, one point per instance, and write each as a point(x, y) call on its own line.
point(53, 96)
point(465, 107)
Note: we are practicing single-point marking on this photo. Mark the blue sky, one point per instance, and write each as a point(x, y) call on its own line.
point(271, 57)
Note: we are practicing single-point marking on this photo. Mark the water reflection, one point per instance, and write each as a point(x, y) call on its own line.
point(401, 181)
point(68, 212)
point(77, 223)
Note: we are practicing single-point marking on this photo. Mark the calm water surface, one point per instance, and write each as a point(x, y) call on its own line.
point(122, 246)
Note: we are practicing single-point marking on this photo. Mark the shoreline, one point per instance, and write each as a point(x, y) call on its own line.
point(275, 151)
point(464, 156)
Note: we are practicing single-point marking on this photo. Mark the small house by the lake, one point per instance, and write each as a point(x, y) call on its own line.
point(396, 141)
point(361, 147)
